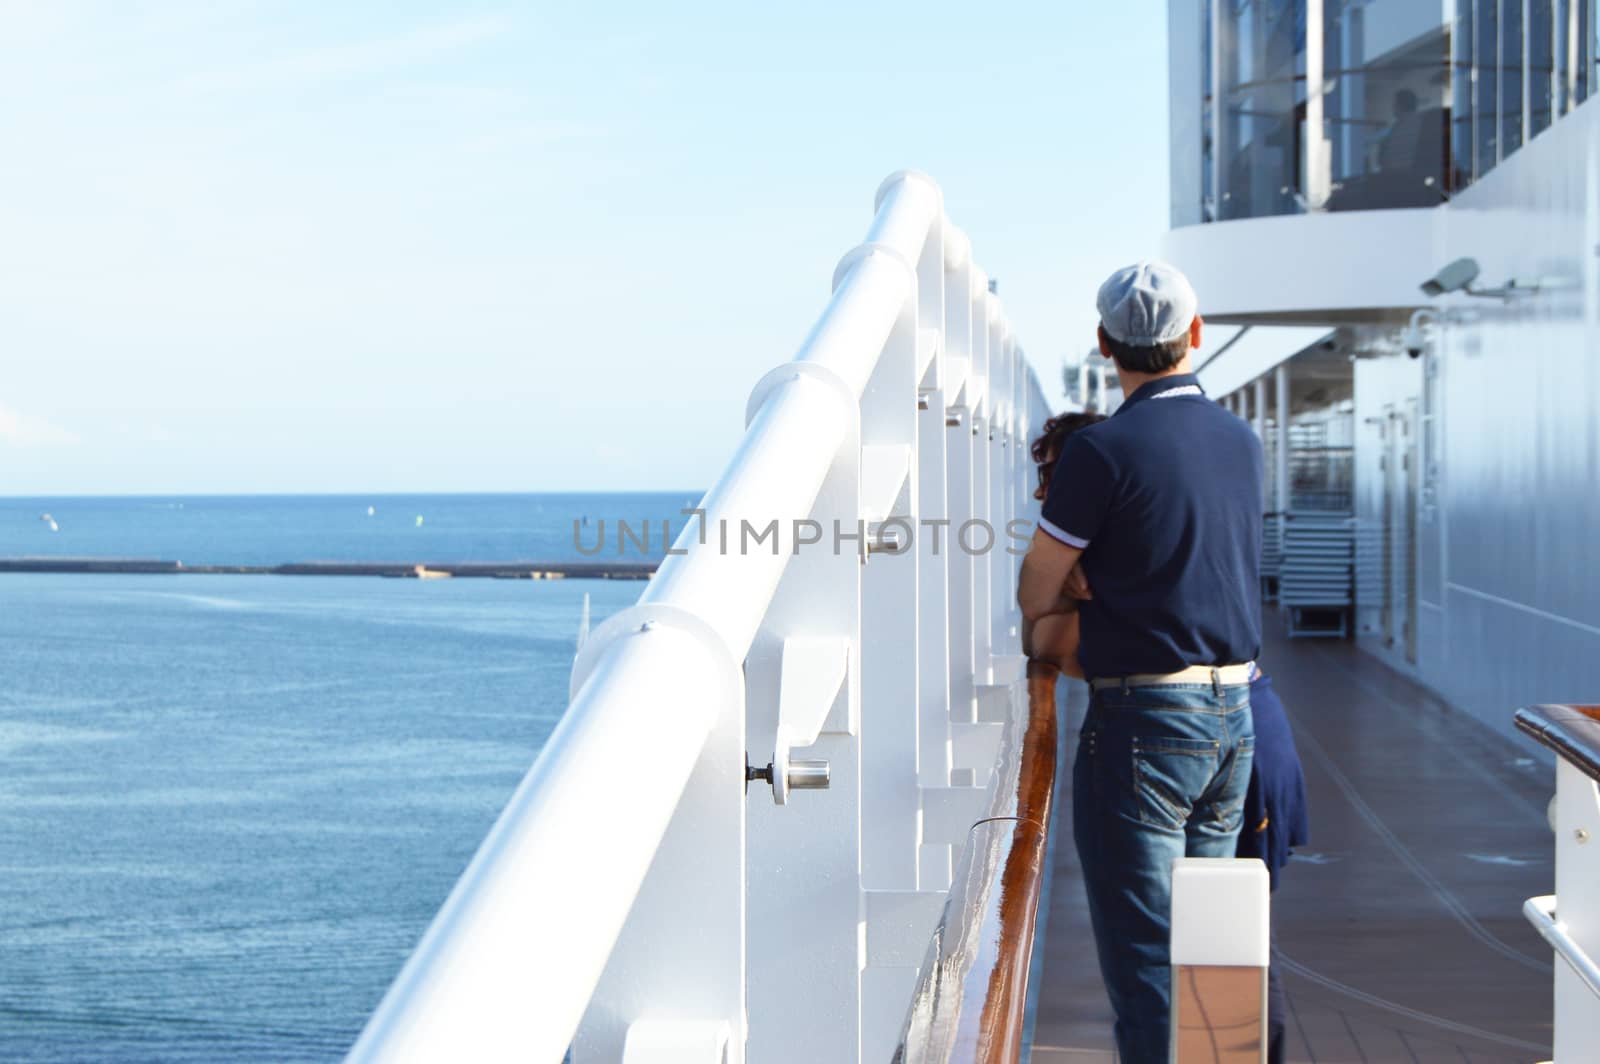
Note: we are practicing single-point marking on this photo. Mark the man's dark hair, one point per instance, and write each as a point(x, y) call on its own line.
point(1157, 358)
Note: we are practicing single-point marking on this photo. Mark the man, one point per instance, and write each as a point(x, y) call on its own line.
point(1151, 529)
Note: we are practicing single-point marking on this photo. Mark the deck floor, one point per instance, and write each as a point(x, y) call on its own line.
point(1399, 930)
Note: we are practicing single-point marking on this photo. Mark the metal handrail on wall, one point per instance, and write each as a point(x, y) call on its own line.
point(1569, 919)
point(638, 899)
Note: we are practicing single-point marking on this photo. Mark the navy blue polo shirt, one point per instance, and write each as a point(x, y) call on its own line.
point(1164, 498)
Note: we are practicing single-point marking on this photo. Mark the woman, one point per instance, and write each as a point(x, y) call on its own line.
point(1275, 804)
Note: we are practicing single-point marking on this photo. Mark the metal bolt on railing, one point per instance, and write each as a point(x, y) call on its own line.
point(886, 542)
point(803, 775)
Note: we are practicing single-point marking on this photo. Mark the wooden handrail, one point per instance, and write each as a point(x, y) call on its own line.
point(972, 995)
point(1571, 731)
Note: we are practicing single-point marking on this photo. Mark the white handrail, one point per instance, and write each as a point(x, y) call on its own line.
point(1569, 919)
point(1541, 913)
point(627, 838)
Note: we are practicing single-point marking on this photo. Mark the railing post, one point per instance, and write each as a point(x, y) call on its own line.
point(961, 331)
point(1002, 564)
point(680, 956)
point(1577, 828)
point(890, 809)
point(933, 574)
point(804, 886)
point(985, 353)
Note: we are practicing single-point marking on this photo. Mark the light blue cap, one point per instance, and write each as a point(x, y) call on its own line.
point(1146, 304)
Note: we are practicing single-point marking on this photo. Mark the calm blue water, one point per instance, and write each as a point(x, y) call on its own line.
point(271, 530)
point(231, 804)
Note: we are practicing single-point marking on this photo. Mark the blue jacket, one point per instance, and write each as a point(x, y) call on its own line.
point(1275, 805)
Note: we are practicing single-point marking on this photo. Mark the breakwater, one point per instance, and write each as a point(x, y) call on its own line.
point(512, 570)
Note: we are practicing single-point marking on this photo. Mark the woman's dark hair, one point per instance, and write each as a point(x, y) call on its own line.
point(1155, 359)
point(1047, 447)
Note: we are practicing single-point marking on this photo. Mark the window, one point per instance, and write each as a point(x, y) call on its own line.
point(1414, 106)
point(1385, 103)
point(1257, 144)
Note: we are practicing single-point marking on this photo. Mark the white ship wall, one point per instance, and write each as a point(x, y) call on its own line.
point(1388, 390)
point(1519, 473)
point(1507, 489)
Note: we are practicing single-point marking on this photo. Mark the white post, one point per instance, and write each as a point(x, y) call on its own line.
point(985, 353)
point(1280, 378)
point(891, 816)
point(1574, 51)
point(1577, 1011)
point(1221, 945)
point(933, 505)
point(1319, 178)
point(1221, 148)
point(804, 893)
point(1002, 596)
point(1261, 434)
point(958, 440)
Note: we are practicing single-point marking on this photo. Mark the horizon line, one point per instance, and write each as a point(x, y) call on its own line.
point(7, 497)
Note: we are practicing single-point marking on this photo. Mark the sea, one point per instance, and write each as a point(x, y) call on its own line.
point(230, 804)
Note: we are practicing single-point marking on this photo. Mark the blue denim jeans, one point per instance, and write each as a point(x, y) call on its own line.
point(1161, 773)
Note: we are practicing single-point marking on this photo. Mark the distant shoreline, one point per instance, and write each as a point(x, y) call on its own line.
point(513, 570)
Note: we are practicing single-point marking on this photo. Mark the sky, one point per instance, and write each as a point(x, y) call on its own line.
point(391, 246)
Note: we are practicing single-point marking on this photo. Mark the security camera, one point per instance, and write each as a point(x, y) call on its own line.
point(1455, 277)
point(1413, 340)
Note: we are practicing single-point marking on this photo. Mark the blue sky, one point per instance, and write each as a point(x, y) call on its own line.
point(390, 246)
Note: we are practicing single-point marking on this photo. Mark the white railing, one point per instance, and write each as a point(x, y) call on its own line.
point(634, 899)
point(1569, 919)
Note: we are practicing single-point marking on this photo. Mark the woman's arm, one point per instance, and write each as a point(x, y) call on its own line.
point(1054, 639)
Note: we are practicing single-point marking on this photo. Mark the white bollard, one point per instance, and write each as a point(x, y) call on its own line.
point(1221, 946)
point(1575, 923)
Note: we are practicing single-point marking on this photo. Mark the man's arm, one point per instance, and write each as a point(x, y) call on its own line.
point(1042, 585)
